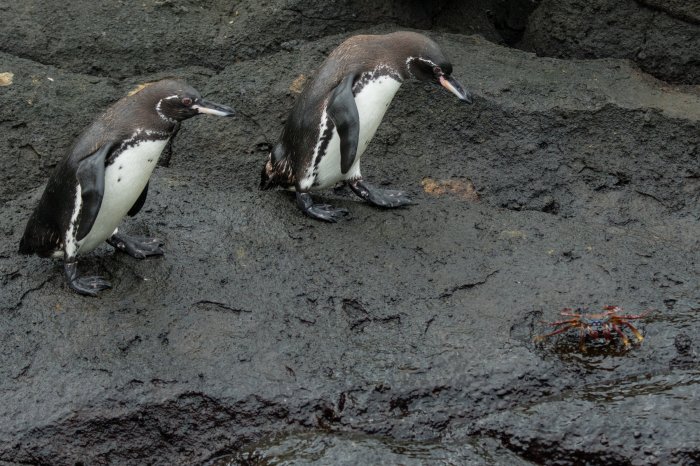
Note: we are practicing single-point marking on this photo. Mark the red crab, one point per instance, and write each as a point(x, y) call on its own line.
point(594, 326)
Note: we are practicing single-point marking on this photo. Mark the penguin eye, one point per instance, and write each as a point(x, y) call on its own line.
point(437, 71)
point(186, 101)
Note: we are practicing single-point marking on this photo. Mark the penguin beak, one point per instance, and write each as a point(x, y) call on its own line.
point(210, 108)
point(451, 84)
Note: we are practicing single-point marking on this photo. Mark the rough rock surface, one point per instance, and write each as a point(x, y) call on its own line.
point(661, 36)
point(126, 38)
point(394, 336)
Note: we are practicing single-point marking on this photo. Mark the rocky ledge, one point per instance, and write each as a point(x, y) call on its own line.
point(398, 336)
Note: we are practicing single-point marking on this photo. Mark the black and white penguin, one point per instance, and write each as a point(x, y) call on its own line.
point(105, 176)
point(339, 111)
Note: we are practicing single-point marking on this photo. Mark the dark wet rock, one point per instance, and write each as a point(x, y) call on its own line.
point(409, 331)
point(323, 448)
point(41, 114)
point(686, 11)
point(629, 421)
point(119, 39)
point(133, 37)
point(687, 354)
point(661, 36)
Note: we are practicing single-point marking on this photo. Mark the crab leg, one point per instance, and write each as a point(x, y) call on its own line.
point(582, 339)
point(561, 322)
point(634, 316)
point(624, 338)
point(556, 332)
point(636, 333)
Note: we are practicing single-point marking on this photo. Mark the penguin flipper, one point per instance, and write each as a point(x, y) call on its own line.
point(343, 111)
point(136, 208)
point(91, 176)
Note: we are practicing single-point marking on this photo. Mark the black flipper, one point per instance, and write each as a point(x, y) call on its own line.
point(343, 112)
point(136, 208)
point(91, 176)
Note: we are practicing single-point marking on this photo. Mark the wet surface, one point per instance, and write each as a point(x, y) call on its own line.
point(403, 336)
point(322, 447)
point(661, 36)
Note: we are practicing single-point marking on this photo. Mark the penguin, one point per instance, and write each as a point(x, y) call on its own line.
point(104, 177)
point(338, 112)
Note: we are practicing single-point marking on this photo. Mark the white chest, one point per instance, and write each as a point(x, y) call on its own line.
point(372, 102)
point(125, 180)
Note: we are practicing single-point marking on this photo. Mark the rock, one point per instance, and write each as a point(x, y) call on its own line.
point(120, 42)
point(661, 36)
point(554, 433)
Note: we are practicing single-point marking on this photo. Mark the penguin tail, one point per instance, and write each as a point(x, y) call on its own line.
point(267, 177)
point(25, 246)
point(27, 243)
point(276, 174)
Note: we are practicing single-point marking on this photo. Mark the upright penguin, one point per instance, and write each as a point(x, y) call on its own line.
point(105, 176)
point(339, 111)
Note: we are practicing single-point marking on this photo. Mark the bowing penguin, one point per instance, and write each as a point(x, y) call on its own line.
point(338, 112)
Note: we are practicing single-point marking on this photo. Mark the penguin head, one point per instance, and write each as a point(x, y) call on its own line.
point(176, 101)
point(185, 102)
point(427, 63)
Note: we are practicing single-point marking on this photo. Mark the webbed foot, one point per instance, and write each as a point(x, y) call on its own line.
point(385, 198)
point(325, 212)
point(88, 286)
point(137, 246)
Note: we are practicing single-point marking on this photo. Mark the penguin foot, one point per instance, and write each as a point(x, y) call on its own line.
point(137, 246)
point(325, 212)
point(88, 286)
point(385, 198)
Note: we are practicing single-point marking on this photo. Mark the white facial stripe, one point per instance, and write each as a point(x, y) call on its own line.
point(424, 60)
point(160, 112)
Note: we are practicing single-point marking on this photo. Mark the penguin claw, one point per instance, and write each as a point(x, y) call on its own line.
point(389, 198)
point(385, 198)
point(148, 240)
point(326, 212)
point(139, 247)
point(89, 286)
